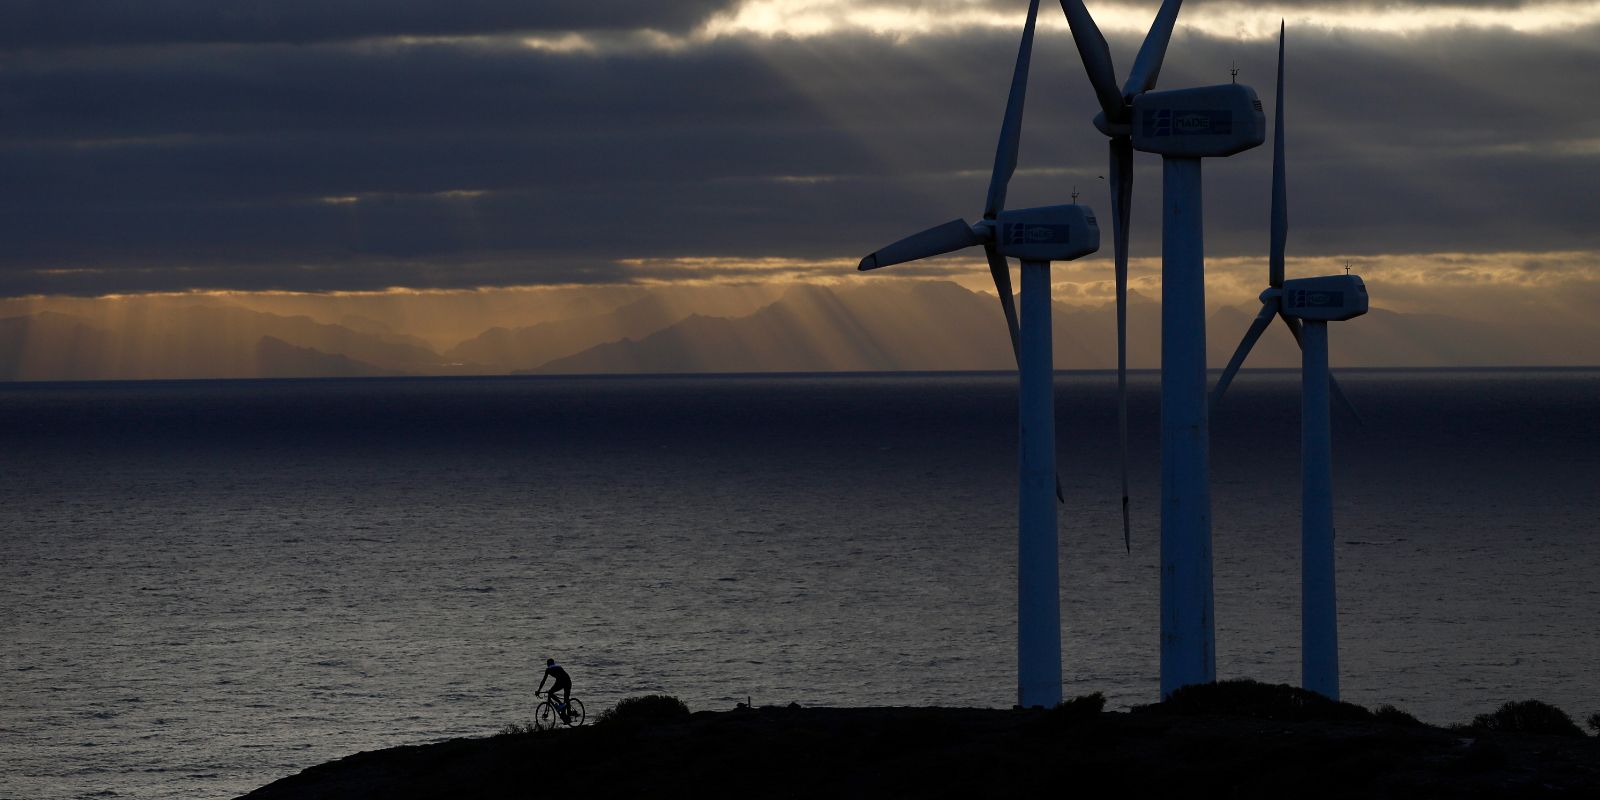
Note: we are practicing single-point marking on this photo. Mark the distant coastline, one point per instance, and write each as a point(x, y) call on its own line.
point(851, 327)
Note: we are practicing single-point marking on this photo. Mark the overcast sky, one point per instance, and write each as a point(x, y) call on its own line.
point(361, 144)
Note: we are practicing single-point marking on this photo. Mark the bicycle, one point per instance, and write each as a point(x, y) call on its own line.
point(548, 715)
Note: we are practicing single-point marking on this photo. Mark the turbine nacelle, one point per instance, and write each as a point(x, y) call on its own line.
point(1204, 122)
point(1329, 298)
point(1046, 233)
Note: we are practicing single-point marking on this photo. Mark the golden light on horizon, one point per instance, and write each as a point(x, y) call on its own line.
point(1486, 271)
point(219, 333)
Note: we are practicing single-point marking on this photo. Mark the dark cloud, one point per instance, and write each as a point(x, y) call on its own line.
point(84, 23)
point(363, 165)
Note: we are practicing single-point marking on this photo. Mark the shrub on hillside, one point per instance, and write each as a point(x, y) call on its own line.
point(1083, 705)
point(648, 708)
point(1394, 716)
point(1594, 722)
point(1246, 698)
point(1527, 716)
point(513, 729)
point(1078, 709)
point(1069, 714)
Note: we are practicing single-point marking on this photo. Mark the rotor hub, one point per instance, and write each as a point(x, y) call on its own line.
point(1123, 128)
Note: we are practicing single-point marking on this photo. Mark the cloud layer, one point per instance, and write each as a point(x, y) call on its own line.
point(325, 146)
point(96, 23)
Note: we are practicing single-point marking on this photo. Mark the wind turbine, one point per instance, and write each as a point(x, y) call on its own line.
point(1114, 121)
point(1035, 236)
point(1271, 299)
point(1183, 126)
point(1308, 303)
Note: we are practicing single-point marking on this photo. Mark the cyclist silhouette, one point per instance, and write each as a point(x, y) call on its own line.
point(563, 684)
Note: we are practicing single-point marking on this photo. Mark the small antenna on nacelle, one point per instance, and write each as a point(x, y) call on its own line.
point(1233, 72)
point(1074, 195)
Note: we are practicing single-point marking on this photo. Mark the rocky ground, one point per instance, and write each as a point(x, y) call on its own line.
point(1267, 742)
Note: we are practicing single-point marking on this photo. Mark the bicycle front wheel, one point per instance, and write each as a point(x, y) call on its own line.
point(545, 717)
point(574, 712)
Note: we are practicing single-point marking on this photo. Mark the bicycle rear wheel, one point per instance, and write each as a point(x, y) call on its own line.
point(545, 717)
point(574, 712)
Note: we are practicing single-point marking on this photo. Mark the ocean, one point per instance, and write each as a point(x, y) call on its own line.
point(209, 585)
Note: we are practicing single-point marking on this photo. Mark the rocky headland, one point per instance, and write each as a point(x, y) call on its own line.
point(1236, 740)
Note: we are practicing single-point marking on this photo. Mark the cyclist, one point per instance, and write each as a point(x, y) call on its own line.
point(563, 684)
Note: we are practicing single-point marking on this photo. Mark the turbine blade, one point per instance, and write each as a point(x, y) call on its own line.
point(1122, 205)
point(1147, 65)
point(1280, 187)
point(1333, 383)
point(1096, 55)
point(1259, 324)
point(1005, 154)
point(938, 240)
point(1008, 302)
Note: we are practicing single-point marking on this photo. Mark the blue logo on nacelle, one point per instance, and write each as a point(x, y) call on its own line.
point(1202, 122)
point(1031, 233)
point(1300, 298)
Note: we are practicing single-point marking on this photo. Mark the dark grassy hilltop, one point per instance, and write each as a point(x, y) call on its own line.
point(1237, 739)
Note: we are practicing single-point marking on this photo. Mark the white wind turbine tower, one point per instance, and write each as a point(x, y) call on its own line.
point(1114, 121)
point(1311, 303)
point(1183, 126)
point(1036, 236)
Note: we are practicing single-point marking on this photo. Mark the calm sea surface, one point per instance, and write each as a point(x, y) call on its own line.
point(209, 585)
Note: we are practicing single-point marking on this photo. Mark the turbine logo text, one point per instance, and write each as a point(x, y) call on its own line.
point(1025, 233)
point(1305, 299)
point(1202, 122)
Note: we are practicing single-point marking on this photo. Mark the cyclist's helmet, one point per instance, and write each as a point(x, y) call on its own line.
point(549, 662)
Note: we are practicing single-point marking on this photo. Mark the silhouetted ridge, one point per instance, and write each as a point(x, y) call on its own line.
point(1261, 741)
point(276, 358)
point(1256, 700)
